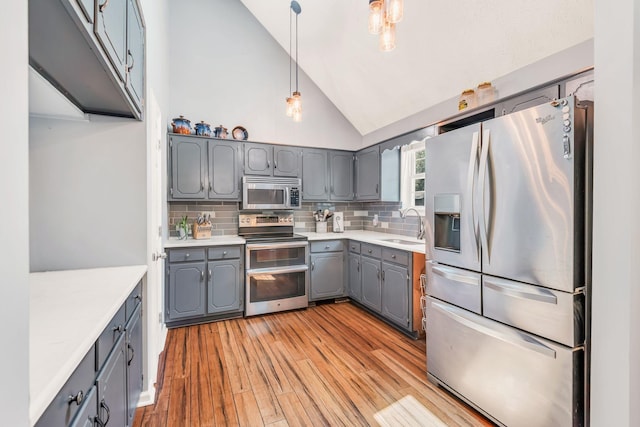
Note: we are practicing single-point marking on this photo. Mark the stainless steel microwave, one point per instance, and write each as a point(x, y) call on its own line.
point(259, 192)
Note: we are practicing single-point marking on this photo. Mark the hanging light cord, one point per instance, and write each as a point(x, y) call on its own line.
point(290, 36)
point(296, 52)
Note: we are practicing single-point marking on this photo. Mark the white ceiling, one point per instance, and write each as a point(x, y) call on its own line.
point(442, 47)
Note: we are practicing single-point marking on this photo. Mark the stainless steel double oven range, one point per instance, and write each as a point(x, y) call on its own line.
point(277, 273)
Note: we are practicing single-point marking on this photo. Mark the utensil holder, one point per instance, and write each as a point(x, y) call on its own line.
point(201, 231)
point(321, 227)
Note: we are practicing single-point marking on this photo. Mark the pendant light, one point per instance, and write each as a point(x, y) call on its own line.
point(294, 102)
point(383, 16)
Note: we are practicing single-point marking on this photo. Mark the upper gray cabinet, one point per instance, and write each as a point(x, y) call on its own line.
point(314, 174)
point(224, 170)
point(271, 160)
point(287, 161)
point(529, 99)
point(341, 175)
point(368, 174)
point(92, 52)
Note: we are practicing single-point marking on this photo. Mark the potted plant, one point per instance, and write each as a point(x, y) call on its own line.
point(183, 227)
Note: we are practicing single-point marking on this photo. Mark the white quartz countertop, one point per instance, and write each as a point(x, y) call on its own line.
point(175, 242)
point(374, 237)
point(68, 311)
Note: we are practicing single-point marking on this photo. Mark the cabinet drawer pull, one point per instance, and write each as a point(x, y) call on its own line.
point(118, 328)
point(327, 247)
point(369, 250)
point(224, 253)
point(103, 6)
point(393, 256)
point(77, 398)
point(187, 255)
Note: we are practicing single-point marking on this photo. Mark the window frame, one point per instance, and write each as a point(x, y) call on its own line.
point(408, 175)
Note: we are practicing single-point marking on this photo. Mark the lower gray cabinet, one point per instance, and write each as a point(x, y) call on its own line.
point(133, 332)
point(206, 288)
point(395, 293)
point(185, 297)
point(371, 283)
point(355, 277)
point(327, 275)
point(223, 287)
point(111, 383)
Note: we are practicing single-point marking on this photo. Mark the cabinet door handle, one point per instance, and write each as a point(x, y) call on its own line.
point(383, 275)
point(313, 265)
point(118, 328)
point(104, 405)
point(202, 187)
point(77, 398)
point(209, 274)
point(101, 8)
point(202, 275)
point(129, 348)
point(133, 60)
point(268, 164)
point(275, 164)
point(358, 266)
point(377, 187)
point(210, 187)
point(378, 272)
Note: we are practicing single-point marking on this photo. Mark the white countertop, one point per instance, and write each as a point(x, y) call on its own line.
point(68, 311)
point(373, 237)
point(175, 242)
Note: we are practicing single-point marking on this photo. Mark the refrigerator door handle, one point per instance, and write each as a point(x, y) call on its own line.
point(535, 294)
point(515, 338)
point(456, 277)
point(473, 161)
point(484, 155)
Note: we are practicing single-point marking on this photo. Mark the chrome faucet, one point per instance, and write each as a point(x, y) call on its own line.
point(421, 231)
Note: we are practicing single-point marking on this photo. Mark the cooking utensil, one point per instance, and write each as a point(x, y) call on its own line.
point(181, 125)
point(203, 129)
point(220, 132)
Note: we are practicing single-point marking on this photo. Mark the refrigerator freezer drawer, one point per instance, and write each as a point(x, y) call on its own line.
point(454, 285)
point(555, 315)
point(515, 378)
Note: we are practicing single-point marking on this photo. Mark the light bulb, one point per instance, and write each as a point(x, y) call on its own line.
point(376, 16)
point(297, 116)
point(289, 107)
point(388, 37)
point(395, 11)
point(297, 102)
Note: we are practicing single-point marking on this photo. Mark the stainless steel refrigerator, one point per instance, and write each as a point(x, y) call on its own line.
point(508, 247)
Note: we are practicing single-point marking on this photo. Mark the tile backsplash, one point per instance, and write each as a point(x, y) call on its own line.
point(357, 216)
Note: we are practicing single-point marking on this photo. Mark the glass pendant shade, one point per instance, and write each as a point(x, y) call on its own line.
point(289, 107)
point(297, 116)
point(394, 11)
point(376, 16)
point(297, 106)
point(388, 37)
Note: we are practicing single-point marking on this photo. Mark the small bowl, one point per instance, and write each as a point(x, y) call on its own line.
point(239, 132)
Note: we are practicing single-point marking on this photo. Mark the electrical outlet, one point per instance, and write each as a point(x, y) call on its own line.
point(384, 225)
point(395, 214)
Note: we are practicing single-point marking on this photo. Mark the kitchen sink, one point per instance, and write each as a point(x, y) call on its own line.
point(402, 242)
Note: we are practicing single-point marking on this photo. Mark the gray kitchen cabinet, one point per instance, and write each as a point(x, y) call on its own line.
point(188, 167)
point(225, 293)
point(224, 170)
point(529, 99)
point(355, 277)
point(111, 32)
point(111, 384)
point(327, 275)
point(396, 289)
point(92, 52)
point(258, 159)
point(368, 174)
point(186, 290)
point(314, 175)
point(133, 331)
point(371, 283)
point(209, 287)
point(341, 175)
point(135, 54)
point(287, 161)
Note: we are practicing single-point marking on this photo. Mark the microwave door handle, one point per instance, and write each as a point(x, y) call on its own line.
point(287, 200)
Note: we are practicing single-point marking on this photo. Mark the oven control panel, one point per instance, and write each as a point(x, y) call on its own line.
point(266, 219)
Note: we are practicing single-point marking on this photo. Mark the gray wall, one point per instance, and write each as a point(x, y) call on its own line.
point(14, 176)
point(87, 193)
point(226, 69)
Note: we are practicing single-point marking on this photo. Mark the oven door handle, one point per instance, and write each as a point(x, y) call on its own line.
point(258, 246)
point(277, 270)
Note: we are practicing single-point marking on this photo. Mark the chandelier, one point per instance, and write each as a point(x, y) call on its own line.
point(383, 16)
point(294, 102)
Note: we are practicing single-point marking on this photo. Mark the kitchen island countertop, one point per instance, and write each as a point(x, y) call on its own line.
point(68, 310)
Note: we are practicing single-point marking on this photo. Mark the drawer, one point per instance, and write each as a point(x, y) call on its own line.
point(134, 298)
point(109, 336)
point(456, 286)
point(552, 314)
point(371, 250)
point(327, 246)
point(354, 246)
point(397, 256)
point(61, 410)
point(225, 252)
point(181, 255)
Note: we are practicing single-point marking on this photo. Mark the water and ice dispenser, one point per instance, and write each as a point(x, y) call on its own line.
point(447, 222)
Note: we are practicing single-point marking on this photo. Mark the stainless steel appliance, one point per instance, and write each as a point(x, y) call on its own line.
point(277, 276)
point(508, 273)
point(266, 193)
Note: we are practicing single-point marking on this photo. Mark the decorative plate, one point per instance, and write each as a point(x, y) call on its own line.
point(239, 132)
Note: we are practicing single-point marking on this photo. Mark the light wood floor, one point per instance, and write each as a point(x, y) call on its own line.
point(329, 365)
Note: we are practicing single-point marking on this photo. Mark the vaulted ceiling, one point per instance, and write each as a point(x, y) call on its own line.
point(443, 47)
